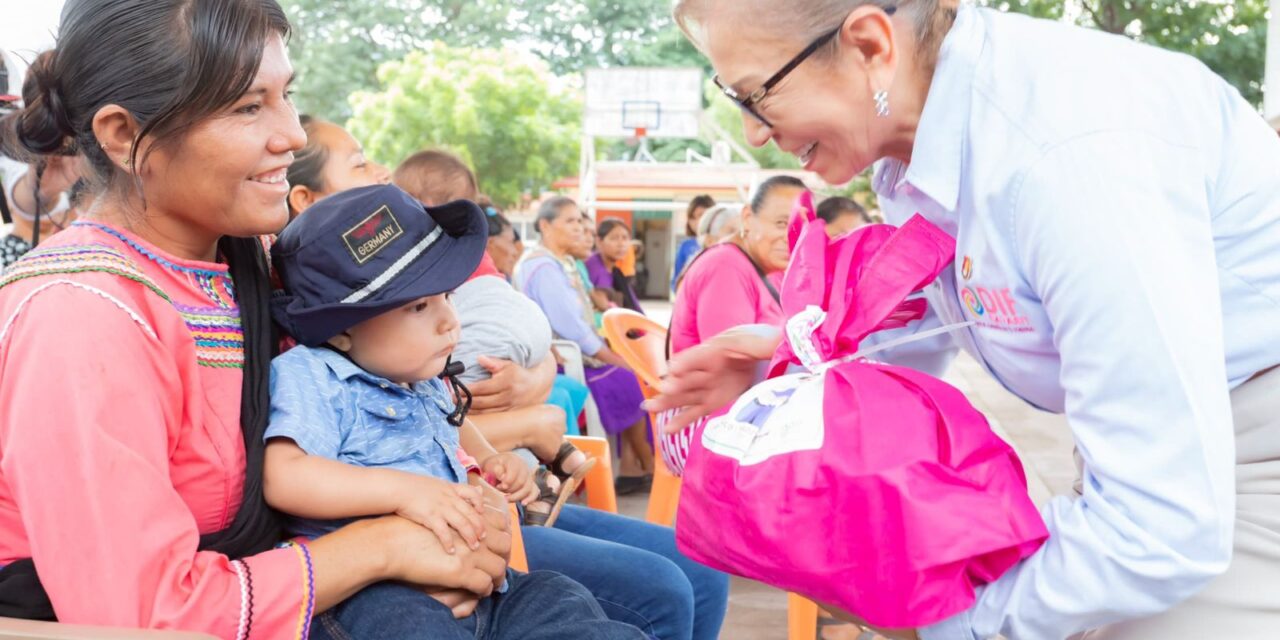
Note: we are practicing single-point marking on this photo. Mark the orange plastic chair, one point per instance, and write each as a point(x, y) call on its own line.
point(519, 561)
point(601, 494)
point(802, 618)
point(642, 343)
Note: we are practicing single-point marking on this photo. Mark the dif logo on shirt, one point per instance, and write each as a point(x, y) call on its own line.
point(994, 309)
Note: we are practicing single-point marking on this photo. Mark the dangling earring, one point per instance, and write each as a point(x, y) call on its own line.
point(882, 103)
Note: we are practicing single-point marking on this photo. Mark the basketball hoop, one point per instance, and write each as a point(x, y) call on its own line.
point(638, 135)
point(641, 104)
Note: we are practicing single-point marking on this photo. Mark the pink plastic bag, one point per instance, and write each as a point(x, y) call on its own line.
point(873, 488)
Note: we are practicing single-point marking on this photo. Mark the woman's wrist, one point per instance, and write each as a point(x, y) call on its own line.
point(350, 559)
point(368, 547)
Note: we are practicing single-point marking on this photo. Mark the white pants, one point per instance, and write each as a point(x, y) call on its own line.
point(1244, 602)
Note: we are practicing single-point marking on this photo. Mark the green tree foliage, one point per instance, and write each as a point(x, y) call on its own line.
point(502, 111)
point(338, 45)
point(1229, 36)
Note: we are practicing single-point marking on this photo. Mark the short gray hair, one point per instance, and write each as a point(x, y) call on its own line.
point(813, 18)
point(550, 209)
point(715, 219)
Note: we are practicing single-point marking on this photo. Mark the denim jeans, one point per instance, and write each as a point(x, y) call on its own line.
point(537, 606)
point(635, 571)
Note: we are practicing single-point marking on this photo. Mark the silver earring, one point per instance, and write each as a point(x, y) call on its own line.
point(882, 103)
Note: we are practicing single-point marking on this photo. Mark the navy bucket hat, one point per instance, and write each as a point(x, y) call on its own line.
point(358, 254)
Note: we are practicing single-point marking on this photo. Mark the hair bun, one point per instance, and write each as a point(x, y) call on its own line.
point(44, 125)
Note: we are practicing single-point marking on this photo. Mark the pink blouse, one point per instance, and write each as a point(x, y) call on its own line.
point(120, 442)
point(721, 290)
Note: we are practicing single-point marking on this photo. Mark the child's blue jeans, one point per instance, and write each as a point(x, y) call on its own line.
point(538, 606)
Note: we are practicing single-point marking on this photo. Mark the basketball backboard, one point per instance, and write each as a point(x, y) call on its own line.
point(663, 102)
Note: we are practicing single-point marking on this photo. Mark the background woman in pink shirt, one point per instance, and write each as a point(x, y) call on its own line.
point(730, 284)
point(138, 498)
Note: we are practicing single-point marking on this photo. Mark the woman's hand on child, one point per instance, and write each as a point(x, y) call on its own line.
point(460, 601)
point(512, 477)
point(444, 507)
point(415, 555)
point(511, 386)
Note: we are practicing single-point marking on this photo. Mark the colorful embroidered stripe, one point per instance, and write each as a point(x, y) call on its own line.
point(77, 259)
point(217, 332)
point(218, 335)
point(242, 629)
point(308, 590)
point(168, 264)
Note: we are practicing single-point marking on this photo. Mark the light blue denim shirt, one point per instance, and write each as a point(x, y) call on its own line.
point(1116, 210)
point(334, 409)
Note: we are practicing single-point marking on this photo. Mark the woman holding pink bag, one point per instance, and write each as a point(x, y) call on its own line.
point(1117, 229)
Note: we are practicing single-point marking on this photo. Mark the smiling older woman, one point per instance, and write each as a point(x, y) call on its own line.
point(1116, 210)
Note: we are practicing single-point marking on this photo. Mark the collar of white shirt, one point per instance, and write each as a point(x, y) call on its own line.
point(943, 131)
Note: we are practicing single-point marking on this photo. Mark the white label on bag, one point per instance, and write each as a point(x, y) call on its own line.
point(775, 417)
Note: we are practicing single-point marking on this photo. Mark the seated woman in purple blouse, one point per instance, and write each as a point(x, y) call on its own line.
point(614, 241)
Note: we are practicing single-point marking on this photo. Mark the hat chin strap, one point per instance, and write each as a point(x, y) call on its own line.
point(461, 394)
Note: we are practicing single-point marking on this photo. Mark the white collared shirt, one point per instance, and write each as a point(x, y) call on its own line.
point(1116, 210)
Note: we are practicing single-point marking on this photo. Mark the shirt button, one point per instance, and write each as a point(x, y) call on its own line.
point(391, 411)
point(383, 385)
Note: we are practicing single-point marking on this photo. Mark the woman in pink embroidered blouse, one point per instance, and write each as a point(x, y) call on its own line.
point(134, 346)
point(734, 283)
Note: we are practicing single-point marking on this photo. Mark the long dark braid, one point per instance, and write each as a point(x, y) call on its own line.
point(35, 192)
point(256, 527)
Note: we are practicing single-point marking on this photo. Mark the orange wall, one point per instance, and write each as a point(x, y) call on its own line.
point(625, 216)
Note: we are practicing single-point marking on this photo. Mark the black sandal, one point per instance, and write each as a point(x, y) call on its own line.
point(627, 485)
point(557, 465)
point(548, 496)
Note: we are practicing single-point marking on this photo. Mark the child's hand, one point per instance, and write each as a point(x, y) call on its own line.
point(460, 601)
point(512, 476)
point(440, 506)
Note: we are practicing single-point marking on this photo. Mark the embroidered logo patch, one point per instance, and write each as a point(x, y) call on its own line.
point(995, 309)
point(372, 234)
point(971, 300)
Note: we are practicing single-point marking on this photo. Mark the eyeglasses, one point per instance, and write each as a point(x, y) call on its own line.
point(749, 102)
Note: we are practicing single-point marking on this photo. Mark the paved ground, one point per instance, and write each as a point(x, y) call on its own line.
point(758, 612)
